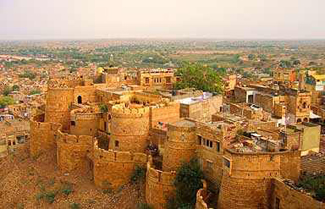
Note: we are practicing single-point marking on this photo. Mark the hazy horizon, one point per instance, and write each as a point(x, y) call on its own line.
point(168, 19)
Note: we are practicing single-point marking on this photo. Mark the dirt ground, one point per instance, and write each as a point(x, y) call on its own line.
point(35, 183)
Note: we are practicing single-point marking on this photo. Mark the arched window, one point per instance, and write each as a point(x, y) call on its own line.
point(305, 119)
point(299, 120)
point(304, 105)
point(79, 99)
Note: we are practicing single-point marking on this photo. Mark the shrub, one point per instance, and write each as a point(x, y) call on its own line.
point(66, 188)
point(35, 91)
point(74, 205)
point(103, 108)
point(145, 206)
point(47, 196)
point(187, 182)
point(107, 187)
point(138, 175)
point(314, 184)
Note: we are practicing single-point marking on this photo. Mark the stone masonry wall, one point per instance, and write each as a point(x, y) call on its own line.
point(42, 135)
point(288, 198)
point(159, 186)
point(72, 151)
point(130, 127)
point(180, 146)
point(115, 167)
point(246, 182)
point(58, 102)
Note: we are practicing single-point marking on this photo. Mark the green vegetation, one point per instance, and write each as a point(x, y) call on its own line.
point(138, 175)
point(74, 205)
point(107, 187)
point(103, 108)
point(15, 88)
point(28, 74)
point(66, 188)
point(144, 206)
point(314, 185)
point(5, 101)
point(200, 77)
point(34, 91)
point(187, 183)
point(47, 196)
point(6, 91)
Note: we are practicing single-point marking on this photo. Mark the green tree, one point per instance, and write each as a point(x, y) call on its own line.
point(15, 88)
point(6, 91)
point(251, 56)
point(200, 77)
point(187, 182)
point(5, 101)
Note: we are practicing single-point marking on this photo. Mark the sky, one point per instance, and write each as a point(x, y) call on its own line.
point(220, 19)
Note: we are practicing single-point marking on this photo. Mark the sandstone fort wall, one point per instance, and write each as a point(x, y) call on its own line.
point(72, 151)
point(115, 167)
point(42, 135)
point(287, 198)
point(180, 146)
point(129, 129)
point(58, 103)
point(159, 186)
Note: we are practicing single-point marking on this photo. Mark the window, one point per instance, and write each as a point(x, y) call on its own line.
point(79, 98)
point(9, 143)
point(73, 123)
point(117, 143)
point(199, 138)
point(226, 162)
point(147, 80)
point(105, 126)
point(218, 146)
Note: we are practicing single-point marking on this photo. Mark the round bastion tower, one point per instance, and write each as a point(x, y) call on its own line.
point(180, 144)
point(129, 128)
point(58, 103)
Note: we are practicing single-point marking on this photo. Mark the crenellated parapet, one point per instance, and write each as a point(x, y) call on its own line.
point(115, 167)
point(73, 150)
point(120, 111)
point(129, 128)
point(159, 186)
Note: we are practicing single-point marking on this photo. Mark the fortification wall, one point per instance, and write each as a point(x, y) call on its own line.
point(72, 151)
point(159, 186)
point(129, 129)
point(240, 193)
point(285, 197)
point(180, 145)
point(58, 102)
point(42, 135)
point(115, 167)
point(246, 178)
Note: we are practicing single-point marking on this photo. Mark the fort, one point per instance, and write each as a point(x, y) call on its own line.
point(107, 129)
